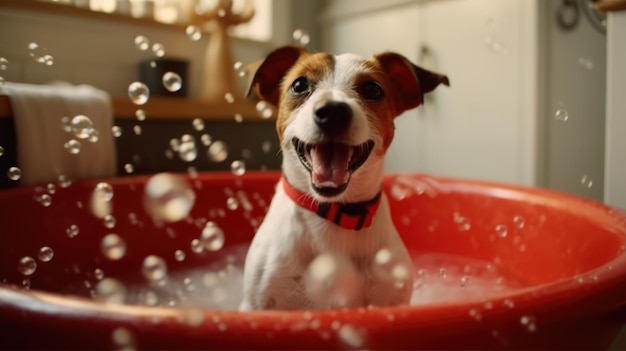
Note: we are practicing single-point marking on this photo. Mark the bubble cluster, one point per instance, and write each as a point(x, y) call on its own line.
point(193, 32)
point(168, 197)
point(113, 247)
point(27, 265)
point(172, 81)
point(138, 93)
point(154, 268)
point(39, 54)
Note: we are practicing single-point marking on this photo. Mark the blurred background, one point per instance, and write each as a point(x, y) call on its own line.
point(526, 103)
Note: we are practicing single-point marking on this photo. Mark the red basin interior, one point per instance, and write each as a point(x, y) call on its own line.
point(496, 267)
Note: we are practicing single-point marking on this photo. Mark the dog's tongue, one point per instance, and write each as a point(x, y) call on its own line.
point(330, 164)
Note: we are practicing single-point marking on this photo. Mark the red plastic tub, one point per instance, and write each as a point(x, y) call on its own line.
point(496, 267)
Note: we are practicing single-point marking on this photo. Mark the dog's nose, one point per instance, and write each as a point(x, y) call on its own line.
point(333, 117)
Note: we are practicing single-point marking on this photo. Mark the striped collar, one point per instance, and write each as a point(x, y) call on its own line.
point(353, 216)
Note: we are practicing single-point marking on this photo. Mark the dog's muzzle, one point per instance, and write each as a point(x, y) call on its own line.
point(331, 164)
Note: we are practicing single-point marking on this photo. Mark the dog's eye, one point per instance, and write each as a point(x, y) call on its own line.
point(300, 86)
point(372, 91)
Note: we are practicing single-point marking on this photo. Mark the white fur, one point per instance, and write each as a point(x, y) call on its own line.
point(291, 237)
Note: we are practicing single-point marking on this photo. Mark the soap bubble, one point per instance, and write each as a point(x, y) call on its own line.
point(4, 64)
point(109, 221)
point(172, 81)
point(350, 335)
point(106, 189)
point(137, 129)
point(27, 265)
point(232, 203)
point(158, 49)
point(45, 254)
point(14, 173)
point(116, 131)
point(229, 97)
point(212, 237)
point(110, 290)
point(332, 281)
point(72, 231)
point(179, 255)
point(193, 32)
point(98, 273)
point(94, 136)
point(238, 117)
point(45, 199)
point(1, 151)
point(138, 93)
point(529, 323)
point(218, 151)
point(168, 197)
point(206, 139)
point(198, 124)
point(301, 37)
point(585, 62)
point(519, 222)
point(82, 126)
point(154, 268)
point(237, 65)
point(238, 167)
point(129, 168)
point(142, 43)
point(123, 338)
point(113, 247)
point(586, 181)
point(501, 230)
point(73, 146)
point(561, 115)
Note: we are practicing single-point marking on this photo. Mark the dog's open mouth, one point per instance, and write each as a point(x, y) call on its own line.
point(331, 164)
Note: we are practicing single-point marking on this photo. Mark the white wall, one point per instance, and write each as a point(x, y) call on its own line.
point(483, 126)
point(102, 53)
point(615, 171)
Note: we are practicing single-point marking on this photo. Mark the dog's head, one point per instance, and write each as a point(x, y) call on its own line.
point(335, 116)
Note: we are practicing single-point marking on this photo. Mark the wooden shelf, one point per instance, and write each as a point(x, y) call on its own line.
point(69, 10)
point(611, 5)
point(171, 108)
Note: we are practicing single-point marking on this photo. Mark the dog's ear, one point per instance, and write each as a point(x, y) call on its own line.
point(265, 76)
point(411, 80)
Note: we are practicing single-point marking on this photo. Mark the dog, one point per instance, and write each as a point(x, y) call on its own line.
point(328, 240)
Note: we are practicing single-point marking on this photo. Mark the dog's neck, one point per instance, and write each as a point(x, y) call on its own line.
point(355, 216)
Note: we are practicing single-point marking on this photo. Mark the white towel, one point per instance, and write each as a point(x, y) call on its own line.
point(41, 153)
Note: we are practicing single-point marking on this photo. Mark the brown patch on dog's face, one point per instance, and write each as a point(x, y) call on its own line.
point(312, 67)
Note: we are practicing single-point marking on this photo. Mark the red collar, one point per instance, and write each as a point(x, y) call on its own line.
point(354, 216)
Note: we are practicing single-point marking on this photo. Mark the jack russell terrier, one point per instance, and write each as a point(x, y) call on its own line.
point(328, 240)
